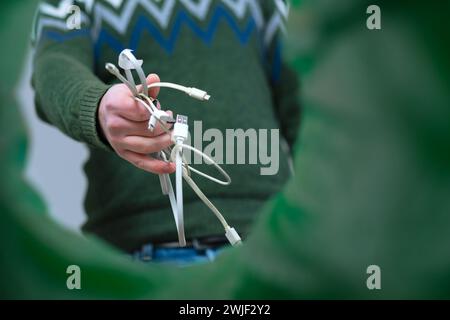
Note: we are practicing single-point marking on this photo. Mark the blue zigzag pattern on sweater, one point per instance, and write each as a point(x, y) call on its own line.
point(182, 18)
point(168, 44)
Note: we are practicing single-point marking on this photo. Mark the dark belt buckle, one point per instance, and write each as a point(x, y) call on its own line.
point(203, 244)
point(147, 252)
point(197, 245)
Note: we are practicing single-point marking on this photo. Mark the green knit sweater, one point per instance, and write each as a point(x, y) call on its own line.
point(233, 52)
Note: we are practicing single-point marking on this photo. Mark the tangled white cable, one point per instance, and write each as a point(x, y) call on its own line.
point(128, 62)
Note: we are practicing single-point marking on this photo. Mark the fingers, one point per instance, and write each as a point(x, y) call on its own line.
point(151, 78)
point(124, 104)
point(121, 127)
point(157, 104)
point(132, 110)
point(146, 145)
point(147, 163)
point(141, 128)
point(124, 123)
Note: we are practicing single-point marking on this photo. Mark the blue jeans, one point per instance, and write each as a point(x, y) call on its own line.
point(181, 257)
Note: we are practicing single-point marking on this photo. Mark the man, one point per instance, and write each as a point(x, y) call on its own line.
point(233, 54)
point(302, 246)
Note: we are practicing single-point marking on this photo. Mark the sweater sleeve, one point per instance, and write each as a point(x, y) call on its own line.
point(283, 80)
point(67, 92)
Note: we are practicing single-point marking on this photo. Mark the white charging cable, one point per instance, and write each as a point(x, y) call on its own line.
point(192, 92)
point(179, 136)
point(128, 62)
point(114, 71)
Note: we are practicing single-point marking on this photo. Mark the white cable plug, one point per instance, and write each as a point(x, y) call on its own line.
point(232, 236)
point(198, 94)
point(192, 92)
point(157, 115)
point(180, 129)
point(230, 233)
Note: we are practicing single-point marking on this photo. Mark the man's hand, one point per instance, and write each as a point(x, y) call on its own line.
point(124, 123)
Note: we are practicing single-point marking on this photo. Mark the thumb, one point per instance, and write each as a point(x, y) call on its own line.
point(152, 78)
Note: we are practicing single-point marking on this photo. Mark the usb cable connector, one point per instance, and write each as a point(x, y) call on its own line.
point(180, 129)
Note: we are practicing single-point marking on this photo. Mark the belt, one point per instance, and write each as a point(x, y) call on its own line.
point(196, 243)
point(199, 244)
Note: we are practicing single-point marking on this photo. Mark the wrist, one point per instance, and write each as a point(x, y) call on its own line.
point(99, 123)
point(89, 118)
